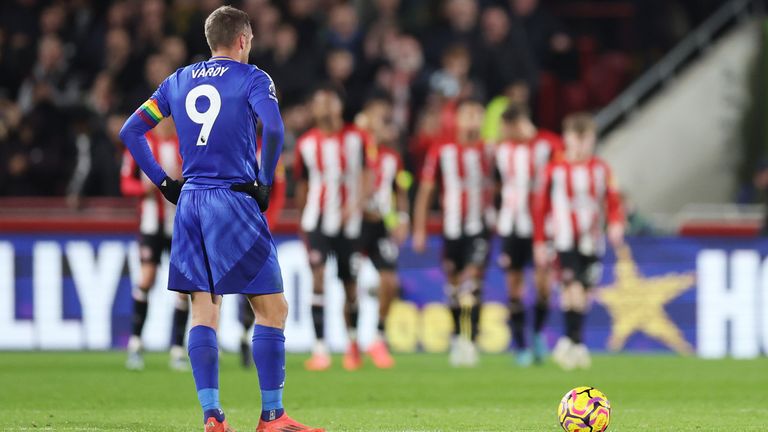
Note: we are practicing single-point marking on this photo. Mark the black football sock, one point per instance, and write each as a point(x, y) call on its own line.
point(517, 323)
point(318, 319)
point(474, 320)
point(540, 314)
point(179, 329)
point(456, 315)
point(139, 316)
point(568, 324)
point(352, 314)
point(578, 327)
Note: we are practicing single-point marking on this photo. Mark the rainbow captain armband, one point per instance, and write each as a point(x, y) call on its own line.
point(150, 112)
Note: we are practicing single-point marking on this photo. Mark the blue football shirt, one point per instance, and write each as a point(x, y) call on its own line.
point(213, 104)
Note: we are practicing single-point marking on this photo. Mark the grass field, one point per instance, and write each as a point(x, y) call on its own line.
point(92, 392)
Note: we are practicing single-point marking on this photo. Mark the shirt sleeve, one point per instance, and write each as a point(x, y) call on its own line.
point(149, 114)
point(261, 87)
point(272, 139)
point(262, 97)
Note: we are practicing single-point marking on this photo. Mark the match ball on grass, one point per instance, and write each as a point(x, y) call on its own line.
point(584, 409)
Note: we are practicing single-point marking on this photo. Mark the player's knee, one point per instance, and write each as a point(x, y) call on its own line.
point(350, 290)
point(207, 318)
point(318, 280)
point(275, 315)
point(542, 296)
point(579, 298)
point(140, 293)
point(388, 280)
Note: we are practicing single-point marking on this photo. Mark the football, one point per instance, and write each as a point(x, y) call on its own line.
point(584, 409)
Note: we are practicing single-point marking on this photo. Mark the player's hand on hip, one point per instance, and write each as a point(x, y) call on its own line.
point(257, 191)
point(171, 189)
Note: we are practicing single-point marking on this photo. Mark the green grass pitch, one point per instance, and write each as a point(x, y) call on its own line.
point(92, 392)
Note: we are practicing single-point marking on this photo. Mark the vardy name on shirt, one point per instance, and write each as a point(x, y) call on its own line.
point(210, 73)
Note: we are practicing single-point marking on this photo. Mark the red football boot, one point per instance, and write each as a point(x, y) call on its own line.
point(352, 358)
point(213, 425)
point(318, 362)
point(285, 424)
point(380, 356)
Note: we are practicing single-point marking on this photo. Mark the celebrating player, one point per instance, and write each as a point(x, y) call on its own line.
point(333, 183)
point(580, 195)
point(221, 243)
point(520, 161)
point(385, 226)
point(461, 164)
point(156, 227)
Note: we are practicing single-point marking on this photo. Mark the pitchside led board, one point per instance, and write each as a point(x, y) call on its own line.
point(687, 295)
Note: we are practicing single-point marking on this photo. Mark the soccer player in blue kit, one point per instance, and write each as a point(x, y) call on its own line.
point(221, 243)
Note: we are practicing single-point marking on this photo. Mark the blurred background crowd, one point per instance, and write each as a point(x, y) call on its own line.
point(72, 70)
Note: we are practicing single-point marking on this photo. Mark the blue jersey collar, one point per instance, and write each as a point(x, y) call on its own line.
point(221, 58)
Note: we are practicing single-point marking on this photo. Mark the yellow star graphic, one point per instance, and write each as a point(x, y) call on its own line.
point(636, 304)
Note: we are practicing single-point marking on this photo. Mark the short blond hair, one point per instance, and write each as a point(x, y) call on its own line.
point(580, 123)
point(224, 25)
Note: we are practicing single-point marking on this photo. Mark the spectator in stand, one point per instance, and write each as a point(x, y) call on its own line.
point(120, 63)
point(302, 15)
point(120, 14)
point(42, 158)
point(288, 66)
point(97, 164)
point(552, 46)
point(344, 30)
point(51, 71)
point(459, 28)
point(101, 98)
point(406, 79)
point(156, 69)
point(265, 29)
point(175, 51)
point(452, 83)
point(381, 13)
point(195, 34)
point(10, 117)
point(340, 70)
point(52, 21)
point(505, 57)
point(152, 28)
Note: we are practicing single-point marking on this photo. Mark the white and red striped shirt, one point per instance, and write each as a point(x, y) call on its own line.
point(463, 169)
point(333, 167)
point(520, 166)
point(386, 164)
point(154, 209)
point(580, 198)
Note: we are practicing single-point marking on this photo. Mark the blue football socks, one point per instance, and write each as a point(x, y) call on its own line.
point(269, 358)
point(204, 358)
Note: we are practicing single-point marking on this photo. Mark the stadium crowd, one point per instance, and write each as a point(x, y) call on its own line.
point(72, 70)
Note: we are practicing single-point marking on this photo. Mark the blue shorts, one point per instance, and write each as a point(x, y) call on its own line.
point(221, 244)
